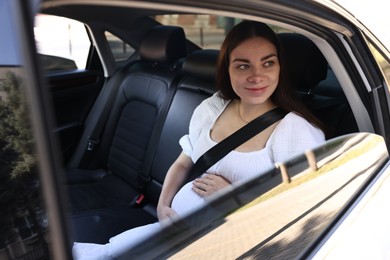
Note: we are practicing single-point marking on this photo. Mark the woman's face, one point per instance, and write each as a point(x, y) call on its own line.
point(254, 70)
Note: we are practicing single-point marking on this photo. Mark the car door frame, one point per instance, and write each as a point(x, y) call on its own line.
point(20, 16)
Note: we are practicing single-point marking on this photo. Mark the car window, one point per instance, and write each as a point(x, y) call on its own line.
point(23, 220)
point(278, 214)
point(62, 43)
point(120, 50)
point(206, 31)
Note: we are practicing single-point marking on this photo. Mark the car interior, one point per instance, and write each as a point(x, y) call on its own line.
point(127, 135)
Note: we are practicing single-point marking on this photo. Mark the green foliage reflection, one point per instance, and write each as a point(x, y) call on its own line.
point(21, 217)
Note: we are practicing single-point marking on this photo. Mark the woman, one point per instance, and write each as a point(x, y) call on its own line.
point(251, 81)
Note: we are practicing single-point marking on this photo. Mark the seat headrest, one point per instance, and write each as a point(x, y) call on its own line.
point(202, 64)
point(163, 44)
point(304, 61)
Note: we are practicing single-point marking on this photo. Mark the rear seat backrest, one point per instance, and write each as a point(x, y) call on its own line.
point(141, 98)
point(196, 84)
point(304, 61)
point(308, 72)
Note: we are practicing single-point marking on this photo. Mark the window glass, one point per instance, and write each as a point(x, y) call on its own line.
point(23, 220)
point(206, 31)
point(119, 49)
point(63, 43)
point(278, 214)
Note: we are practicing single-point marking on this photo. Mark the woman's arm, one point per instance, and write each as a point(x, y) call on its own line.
point(176, 176)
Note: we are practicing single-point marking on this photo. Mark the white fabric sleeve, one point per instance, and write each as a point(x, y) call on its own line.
point(186, 145)
point(294, 135)
point(203, 116)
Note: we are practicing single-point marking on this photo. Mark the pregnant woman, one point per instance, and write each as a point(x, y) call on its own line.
point(250, 82)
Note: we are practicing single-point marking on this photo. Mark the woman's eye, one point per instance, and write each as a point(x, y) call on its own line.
point(242, 66)
point(269, 63)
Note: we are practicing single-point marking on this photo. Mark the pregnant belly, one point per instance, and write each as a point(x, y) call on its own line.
point(186, 200)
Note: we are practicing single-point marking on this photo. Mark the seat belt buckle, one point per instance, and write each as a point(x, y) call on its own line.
point(91, 145)
point(138, 201)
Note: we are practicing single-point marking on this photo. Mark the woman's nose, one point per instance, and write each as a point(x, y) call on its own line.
point(256, 76)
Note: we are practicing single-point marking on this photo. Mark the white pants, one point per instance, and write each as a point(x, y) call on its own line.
point(116, 246)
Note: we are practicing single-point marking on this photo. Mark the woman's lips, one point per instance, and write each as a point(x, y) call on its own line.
point(257, 90)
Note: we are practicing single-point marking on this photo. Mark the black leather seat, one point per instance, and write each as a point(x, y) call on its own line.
point(140, 104)
point(197, 82)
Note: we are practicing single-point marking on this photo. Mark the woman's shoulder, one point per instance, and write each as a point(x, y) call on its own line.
point(295, 119)
point(293, 135)
point(298, 124)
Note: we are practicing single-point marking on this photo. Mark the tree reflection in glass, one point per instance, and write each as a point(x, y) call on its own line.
point(22, 219)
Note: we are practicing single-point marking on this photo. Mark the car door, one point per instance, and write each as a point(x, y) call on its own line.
point(282, 213)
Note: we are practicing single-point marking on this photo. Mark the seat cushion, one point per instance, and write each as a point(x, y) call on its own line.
point(109, 191)
point(98, 226)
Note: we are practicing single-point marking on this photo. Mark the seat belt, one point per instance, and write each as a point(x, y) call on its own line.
point(217, 152)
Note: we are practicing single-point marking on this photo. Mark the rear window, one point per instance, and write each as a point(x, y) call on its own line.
point(206, 31)
point(121, 51)
point(62, 43)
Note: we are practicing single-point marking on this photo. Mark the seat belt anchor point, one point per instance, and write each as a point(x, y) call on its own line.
point(92, 144)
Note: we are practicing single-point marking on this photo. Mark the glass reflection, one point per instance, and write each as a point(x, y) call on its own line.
point(23, 222)
point(275, 216)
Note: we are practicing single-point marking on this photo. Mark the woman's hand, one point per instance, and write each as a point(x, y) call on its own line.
point(209, 184)
point(165, 213)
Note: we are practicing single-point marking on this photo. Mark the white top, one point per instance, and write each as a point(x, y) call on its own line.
point(292, 136)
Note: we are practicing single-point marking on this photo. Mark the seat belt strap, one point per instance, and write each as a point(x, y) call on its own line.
point(217, 152)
